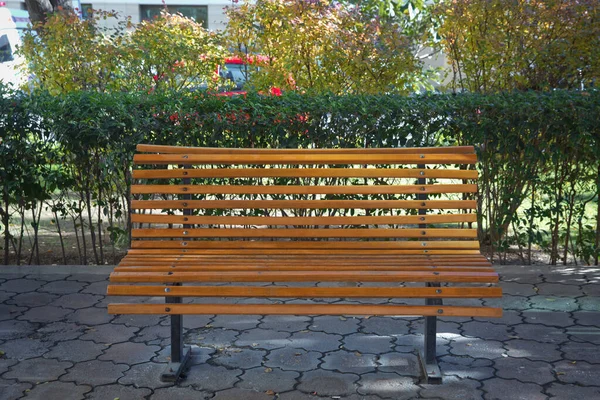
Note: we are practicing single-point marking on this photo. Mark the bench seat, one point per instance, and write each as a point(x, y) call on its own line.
point(254, 230)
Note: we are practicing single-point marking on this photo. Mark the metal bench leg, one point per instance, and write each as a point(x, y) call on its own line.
point(180, 355)
point(429, 367)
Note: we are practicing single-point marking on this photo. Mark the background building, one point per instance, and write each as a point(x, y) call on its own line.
point(210, 12)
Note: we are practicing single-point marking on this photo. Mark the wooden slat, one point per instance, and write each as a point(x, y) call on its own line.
point(295, 189)
point(292, 252)
point(308, 204)
point(350, 255)
point(305, 245)
point(304, 292)
point(151, 148)
point(302, 159)
point(304, 309)
point(304, 173)
point(139, 267)
point(301, 276)
point(303, 233)
point(326, 220)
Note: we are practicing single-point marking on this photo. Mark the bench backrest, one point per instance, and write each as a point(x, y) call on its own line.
point(289, 201)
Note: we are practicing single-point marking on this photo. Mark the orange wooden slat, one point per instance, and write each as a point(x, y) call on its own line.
point(292, 252)
point(307, 204)
point(326, 220)
point(305, 245)
point(304, 173)
point(302, 159)
point(305, 292)
point(295, 189)
point(303, 233)
point(304, 309)
point(301, 276)
point(151, 148)
point(141, 267)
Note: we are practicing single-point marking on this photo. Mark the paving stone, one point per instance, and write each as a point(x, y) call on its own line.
point(333, 324)
point(212, 337)
point(58, 331)
point(261, 379)
point(558, 289)
point(10, 311)
point(75, 350)
point(58, 390)
point(504, 389)
point(524, 370)
point(22, 349)
point(236, 393)
point(477, 348)
point(6, 296)
point(90, 316)
point(285, 323)
point(146, 375)
point(37, 370)
point(550, 318)
point(178, 393)
point(567, 277)
point(466, 367)
point(5, 363)
point(315, 341)
point(293, 359)
point(139, 321)
point(508, 302)
point(553, 303)
point(400, 363)
point(88, 278)
point(533, 350)
point(387, 385)
point(328, 383)
point(386, 326)
point(129, 353)
point(591, 289)
point(453, 389)
point(349, 361)
point(580, 373)
point(95, 373)
point(509, 317)
point(62, 287)
point(193, 321)
point(13, 329)
point(10, 390)
point(570, 392)
point(33, 299)
point(150, 333)
point(98, 288)
point(111, 392)
point(297, 395)
point(485, 330)
point(541, 333)
point(518, 289)
point(109, 333)
point(587, 318)
point(77, 300)
point(589, 303)
point(21, 285)
point(366, 343)
point(236, 322)
point(263, 339)
point(584, 333)
point(45, 314)
point(211, 378)
point(233, 357)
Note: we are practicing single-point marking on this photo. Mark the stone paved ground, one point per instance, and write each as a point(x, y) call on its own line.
point(58, 342)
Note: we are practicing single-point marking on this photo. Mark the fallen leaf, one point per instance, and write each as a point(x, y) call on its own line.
point(270, 392)
point(267, 370)
point(297, 354)
point(560, 373)
point(208, 326)
point(357, 354)
point(469, 344)
point(573, 362)
point(254, 344)
point(305, 331)
point(343, 319)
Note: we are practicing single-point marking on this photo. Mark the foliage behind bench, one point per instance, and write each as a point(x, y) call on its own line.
point(538, 152)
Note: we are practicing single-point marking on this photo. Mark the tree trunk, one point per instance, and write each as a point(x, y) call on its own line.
point(39, 9)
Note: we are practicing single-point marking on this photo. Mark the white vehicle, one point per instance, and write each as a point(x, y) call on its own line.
point(12, 26)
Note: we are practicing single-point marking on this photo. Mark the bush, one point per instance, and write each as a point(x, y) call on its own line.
point(538, 151)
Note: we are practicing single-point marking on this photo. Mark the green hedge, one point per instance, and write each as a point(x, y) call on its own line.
point(539, 152)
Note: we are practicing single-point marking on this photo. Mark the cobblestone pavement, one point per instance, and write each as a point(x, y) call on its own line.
point(58, 342)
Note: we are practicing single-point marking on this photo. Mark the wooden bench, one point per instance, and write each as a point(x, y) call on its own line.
point(403, 217)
